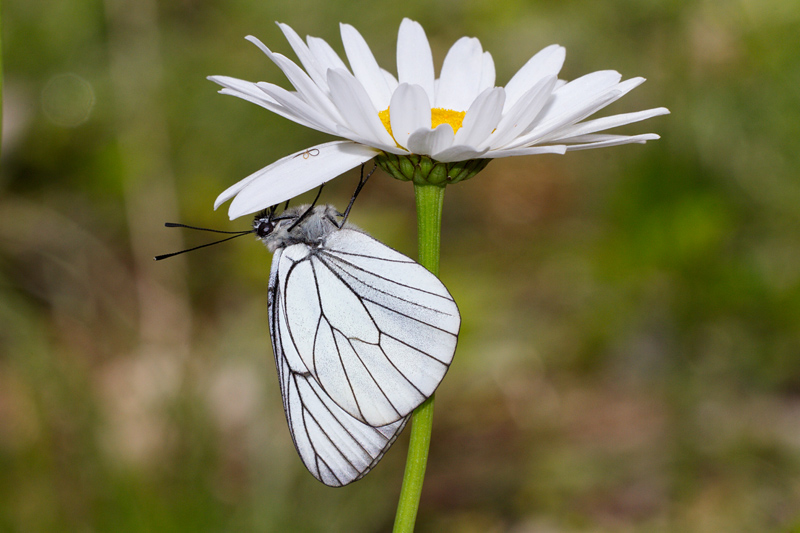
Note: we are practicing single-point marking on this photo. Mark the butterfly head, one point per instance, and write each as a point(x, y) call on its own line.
point(263, 226)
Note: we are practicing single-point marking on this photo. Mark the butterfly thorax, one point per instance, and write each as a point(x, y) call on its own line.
point(284, 230)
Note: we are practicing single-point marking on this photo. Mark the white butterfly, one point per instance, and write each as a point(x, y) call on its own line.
point(361, 334)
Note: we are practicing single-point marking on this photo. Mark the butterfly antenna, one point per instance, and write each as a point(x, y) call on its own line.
point(307, 211)
point(176, 225)
point(361, 182)
point(233, 234)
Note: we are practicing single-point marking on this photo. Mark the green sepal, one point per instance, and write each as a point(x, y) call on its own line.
point(423, 170)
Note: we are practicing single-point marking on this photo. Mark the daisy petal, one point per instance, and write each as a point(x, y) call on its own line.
point(428, 142)
point(516, 121)
point(554, 128)
point(532, 150)
point(547, 62)
point(414, 57)
point(343, 131)
point(595, 138)
point(305, 56)
point(458, 83)
point(241, 86)
point(482, 118)
point(391, 81)
point(262, 100)
point(249, 91)
point(458, 153)
point(293, 175)
point(487, 72)
point(294, 104)
point(615, 140)
point(277, 109)
point(325, 55)
point(578, 93)
point(300, 81)
point(613, 121)
point(353, 102)
point(549, 131)
point(409, 111)
point(365, 68)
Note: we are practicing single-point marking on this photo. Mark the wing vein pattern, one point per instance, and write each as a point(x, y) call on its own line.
point(375, 329)
point(362, 335)
point(334, 446)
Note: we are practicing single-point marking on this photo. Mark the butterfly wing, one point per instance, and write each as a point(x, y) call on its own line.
point(375, 329)
point(335, 447)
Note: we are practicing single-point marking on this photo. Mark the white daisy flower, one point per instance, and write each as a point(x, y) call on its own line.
point(419, 127)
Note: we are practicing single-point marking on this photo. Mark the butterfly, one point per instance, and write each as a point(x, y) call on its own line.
point(361, 335)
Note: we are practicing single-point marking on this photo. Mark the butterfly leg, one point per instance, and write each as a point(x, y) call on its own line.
point(362, 181)
point(308, 211)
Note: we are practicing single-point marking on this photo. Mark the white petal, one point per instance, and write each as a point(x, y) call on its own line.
point(578, 93)
point(547, 62)
point(291, 102)
point(482, 118)
point(391, 81)
point(325, 55)
point(241, 86)
point(262, 100)
point(428, 142)
point(594, 138)
point(533, 150)
point(459, 82)
point(613, 121)
point(365, 68)
point(516, 121)
point(357, 109)
point(458, 153)
point(487, 72)
point(549, 130)
point(624, 88)
point(249, 91)
point(409, 111)
point(309, 90)
point(414, 57)
point(343, 131)
point(305, 56)
point(293, 175)
point(574, 102)
point(566, 122)
point(615, 141)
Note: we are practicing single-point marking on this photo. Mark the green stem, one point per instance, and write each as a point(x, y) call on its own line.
point(1, 81)
point(430, 199)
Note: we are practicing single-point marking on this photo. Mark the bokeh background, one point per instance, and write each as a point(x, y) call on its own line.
point(630, 353)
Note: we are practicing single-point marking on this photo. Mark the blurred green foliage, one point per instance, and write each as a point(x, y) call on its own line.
point(630, 353)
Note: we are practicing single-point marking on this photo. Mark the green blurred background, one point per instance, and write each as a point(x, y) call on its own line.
point(630, 351)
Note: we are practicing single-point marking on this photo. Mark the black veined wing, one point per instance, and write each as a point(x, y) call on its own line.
point(375, 329)
point(335, 447)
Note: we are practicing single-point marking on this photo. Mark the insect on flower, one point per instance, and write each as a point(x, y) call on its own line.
point(361, 334)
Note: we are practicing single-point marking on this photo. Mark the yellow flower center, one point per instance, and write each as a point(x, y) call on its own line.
point(438, 116)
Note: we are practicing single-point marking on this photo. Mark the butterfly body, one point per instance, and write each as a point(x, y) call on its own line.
point(282, 232)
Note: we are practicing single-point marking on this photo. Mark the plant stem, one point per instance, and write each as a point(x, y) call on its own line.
point(1, 80)
point(430, 199)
